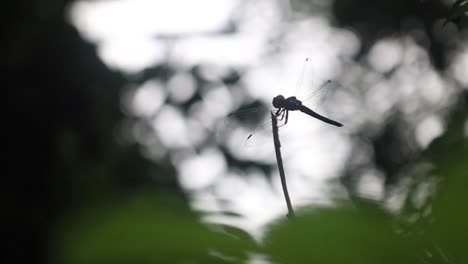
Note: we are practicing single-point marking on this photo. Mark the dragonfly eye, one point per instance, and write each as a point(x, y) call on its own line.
point(278, 101)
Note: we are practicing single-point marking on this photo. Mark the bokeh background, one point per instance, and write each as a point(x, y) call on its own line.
point(120, 150)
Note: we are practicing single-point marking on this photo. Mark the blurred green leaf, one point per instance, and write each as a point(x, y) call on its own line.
point(458, 9)
point(146, 229)
point(447, 232)
point(347, 233)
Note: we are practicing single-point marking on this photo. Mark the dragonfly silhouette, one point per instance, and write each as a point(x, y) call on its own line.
point(282, 105)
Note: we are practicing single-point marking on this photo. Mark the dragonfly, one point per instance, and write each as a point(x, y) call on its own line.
point(281, 106)
point(284, 105)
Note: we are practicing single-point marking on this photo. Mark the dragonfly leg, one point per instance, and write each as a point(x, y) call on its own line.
point(284, 114)
point(278, 112)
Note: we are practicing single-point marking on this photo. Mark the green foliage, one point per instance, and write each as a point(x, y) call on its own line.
point(448, 232)
point(357, 232)
point(146, 229)
point(459, 9)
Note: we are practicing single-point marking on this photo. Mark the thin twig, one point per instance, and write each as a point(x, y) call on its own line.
point(279, 160)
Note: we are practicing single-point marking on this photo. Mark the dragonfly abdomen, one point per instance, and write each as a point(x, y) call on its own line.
point(309, 111)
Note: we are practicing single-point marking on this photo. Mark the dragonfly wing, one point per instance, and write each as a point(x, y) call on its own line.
point(250, 117)
point(261, 135)
point(323, 100)
point(316, 98)
point(255, 121)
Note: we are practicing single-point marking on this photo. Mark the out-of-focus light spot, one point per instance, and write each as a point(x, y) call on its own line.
point(200, 171)
point(217, 101)
point(126, 31)
point(349, 43)
point(415, 55)
point(214, 107)
point(371, 185)
point(259, 18)
point(315, 39)
point(232, 49)
point(231, 186)
point(181, 87)
point(131, 54)
point(428, 129)
point(213, 72)
point(263, 81)
point(460, 67)
point(381, 97)
point(309, 151)
point(385, 55)
point(100, 20)
point(432, 86)
point(171, 127)
point(197, 132)
point(148, 98)
point(305, 191)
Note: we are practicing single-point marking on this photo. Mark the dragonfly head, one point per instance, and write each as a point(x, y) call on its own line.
point(278, 101)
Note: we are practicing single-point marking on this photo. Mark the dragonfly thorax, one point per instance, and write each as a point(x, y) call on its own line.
point(292, 103)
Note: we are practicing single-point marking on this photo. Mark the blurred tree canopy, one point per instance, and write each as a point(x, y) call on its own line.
point(75, 192)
